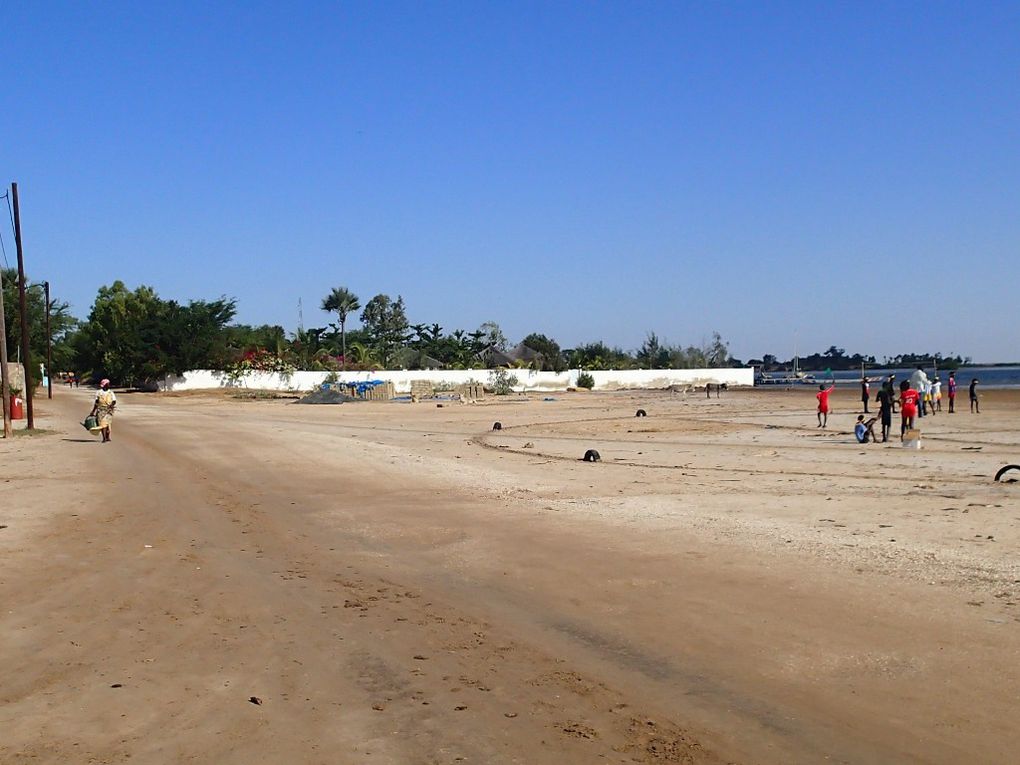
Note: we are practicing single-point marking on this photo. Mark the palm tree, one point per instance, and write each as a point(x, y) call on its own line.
point(341, 301)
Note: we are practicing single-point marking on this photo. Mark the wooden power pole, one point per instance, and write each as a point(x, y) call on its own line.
point(49, 345)
point(26, 358)
point(5, 383)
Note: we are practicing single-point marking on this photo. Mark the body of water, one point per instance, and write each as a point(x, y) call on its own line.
point(990, 377)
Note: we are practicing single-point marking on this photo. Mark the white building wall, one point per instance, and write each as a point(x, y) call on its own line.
point(200, 379)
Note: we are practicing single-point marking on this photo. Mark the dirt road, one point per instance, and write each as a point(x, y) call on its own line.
point(246, 581)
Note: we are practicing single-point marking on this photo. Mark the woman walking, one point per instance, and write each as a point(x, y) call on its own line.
point(102, 410)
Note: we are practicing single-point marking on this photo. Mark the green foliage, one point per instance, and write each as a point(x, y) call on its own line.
point(237, 339)
point(342, 302)
point(552, 358)
point(385, 322)
point(598, 355)
point(585, 380)
point(492, 336)
point(502, 382)
point(260, 360)
point(655, 354)
point(652, 354)
point(136, 337)
point(838, 359)
point(62, 324)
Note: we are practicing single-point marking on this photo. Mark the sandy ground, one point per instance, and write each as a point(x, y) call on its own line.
point(399, 583)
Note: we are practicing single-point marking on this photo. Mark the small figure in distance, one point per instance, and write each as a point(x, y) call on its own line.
point(951, 390)
point(908, 407)
point(936, 394)
point(885, 409)
point(919, 383)
point(865, 392)
point(103, 408)
point(975, 406)
point(865, 430)
point(889, 386)
point(823, 404)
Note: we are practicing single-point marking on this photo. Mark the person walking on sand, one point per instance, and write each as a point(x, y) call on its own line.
point(823, 404)
point(919, 383)
point(865, 393)
point(975, 406)
point(889, 386)
point(908, 407)
point(885, 408)
point(936, 394)
point(951, 391)
point(102, 410)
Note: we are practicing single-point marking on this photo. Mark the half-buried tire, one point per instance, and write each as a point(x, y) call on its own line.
point(592, 456)
point(1004, 470)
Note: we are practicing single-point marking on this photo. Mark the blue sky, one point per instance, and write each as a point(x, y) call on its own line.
point(815, 173)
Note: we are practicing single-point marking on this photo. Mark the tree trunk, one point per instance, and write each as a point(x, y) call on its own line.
point(343, 345)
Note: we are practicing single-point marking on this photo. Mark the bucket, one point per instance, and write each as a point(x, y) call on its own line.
point(912, 439)
point(17, 409)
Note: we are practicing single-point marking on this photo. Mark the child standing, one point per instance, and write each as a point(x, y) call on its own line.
point(908, 407)
point(823, 403)
point(975, 407)
point(951, 389)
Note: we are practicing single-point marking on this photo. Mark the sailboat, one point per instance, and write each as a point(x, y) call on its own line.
point(796, 377)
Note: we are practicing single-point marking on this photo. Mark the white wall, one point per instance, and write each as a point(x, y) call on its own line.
point(527, 380)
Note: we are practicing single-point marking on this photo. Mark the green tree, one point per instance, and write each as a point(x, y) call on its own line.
point(552, 358)
point(135, 337)
point(717, 352)
point(342, 302)
point(598, 355)
point(386, 323)
point(492, 336)
point(652, 354)
point(62, 323)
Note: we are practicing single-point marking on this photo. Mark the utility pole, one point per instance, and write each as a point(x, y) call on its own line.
point(49, 345)
point(26, 359)
point(5, 383)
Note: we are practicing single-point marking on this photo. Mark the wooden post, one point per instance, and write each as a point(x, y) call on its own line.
point(49, 345)
point(5, 383)
point(26, 358)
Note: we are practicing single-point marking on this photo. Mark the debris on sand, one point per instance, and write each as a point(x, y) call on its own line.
point(329, 396)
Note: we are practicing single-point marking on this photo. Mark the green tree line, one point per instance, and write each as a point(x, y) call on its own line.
point(839, 359)
point(134, 337)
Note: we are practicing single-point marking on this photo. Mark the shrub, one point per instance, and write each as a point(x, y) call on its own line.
point(501, 382)
point(585, 380)
point(260, 360)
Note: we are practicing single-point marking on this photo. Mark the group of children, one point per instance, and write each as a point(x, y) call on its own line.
point(918, 396)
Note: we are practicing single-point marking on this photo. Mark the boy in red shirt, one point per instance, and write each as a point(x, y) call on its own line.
point(823, 404)
point(908, 407)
